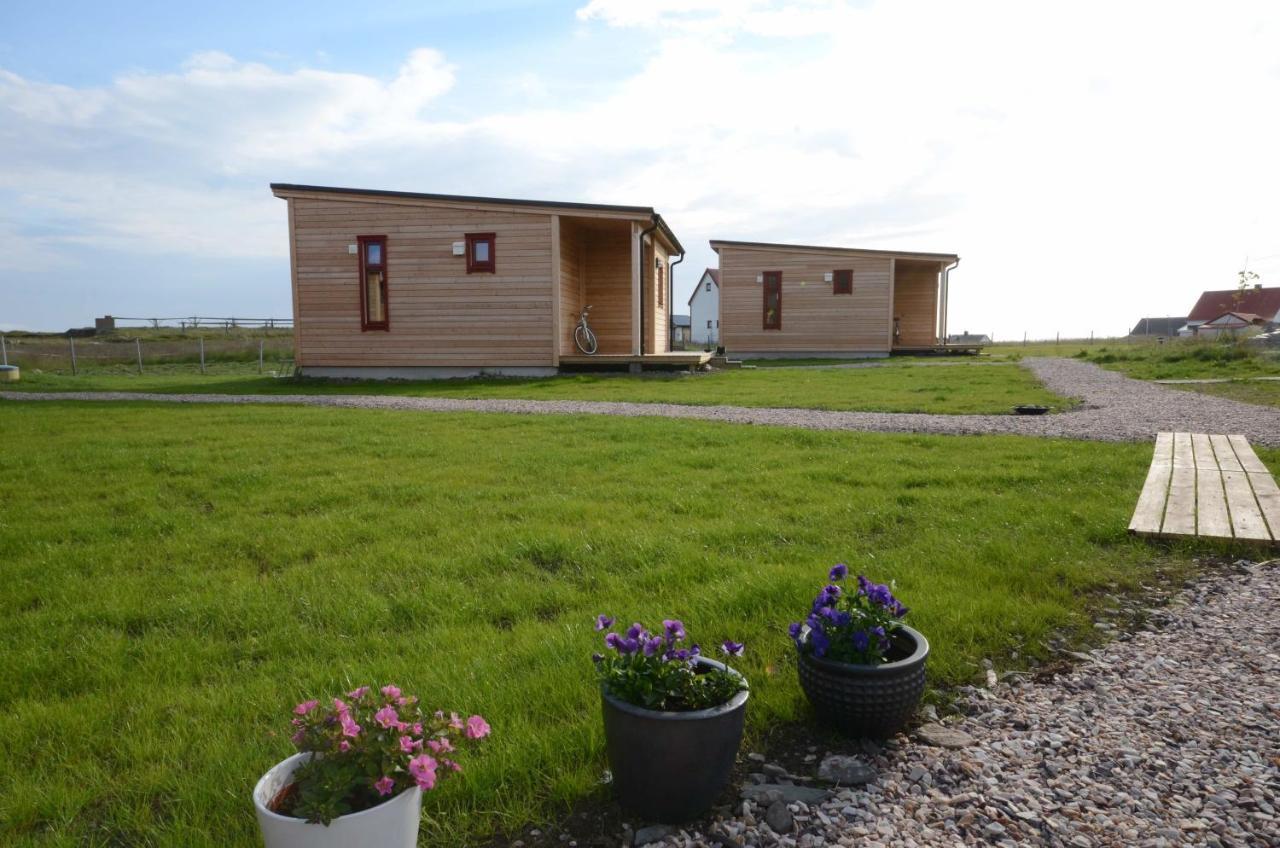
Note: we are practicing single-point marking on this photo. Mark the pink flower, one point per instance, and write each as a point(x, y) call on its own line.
point(344, 746)
point(404, 702)
point(297, 738)
point(408, 744)
point(387, 717)
point(440, 746)
point(477, 727)
point(340, 706)
point(391, 692)
point(349, 726)
point(417, 729)
point(451, 764)
point(455, 721)
point(423, 769)
point(357, 694)
point(384, 785)
point(305, 707)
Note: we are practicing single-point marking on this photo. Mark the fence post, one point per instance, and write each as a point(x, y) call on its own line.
point(74, 371)
point(259, 356)
point(138, 343)
point(202, 354)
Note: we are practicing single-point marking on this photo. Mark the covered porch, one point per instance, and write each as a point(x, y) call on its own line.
point(920, 292)
point(620, 267)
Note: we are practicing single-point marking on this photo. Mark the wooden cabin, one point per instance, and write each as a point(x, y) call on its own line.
point(791, 300)
point(394, 284)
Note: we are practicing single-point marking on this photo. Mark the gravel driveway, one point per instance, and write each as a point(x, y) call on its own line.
point(1168, 737)
point(1116, 408)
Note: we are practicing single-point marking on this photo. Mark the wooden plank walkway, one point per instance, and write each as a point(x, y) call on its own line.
point(1210, 486)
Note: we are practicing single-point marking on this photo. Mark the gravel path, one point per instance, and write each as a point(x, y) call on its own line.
point(1115, 408)
point(1167, 737)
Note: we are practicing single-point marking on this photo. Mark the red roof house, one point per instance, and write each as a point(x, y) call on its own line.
point(1263, 302)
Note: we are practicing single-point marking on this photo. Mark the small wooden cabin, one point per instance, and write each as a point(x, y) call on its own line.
point(408, 285)
point(790, 300)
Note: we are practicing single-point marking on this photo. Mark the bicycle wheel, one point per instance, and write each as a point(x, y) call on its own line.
point(584, 339)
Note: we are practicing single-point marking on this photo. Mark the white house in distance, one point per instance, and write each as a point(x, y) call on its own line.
point(704, 310)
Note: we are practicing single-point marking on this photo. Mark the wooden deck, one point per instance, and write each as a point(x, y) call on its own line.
point(1208, 486)
point(674, 359)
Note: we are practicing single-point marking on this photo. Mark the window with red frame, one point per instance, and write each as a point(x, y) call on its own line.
point(373, 283)
point(773, 300)
point(481, 249)
point(842, 282)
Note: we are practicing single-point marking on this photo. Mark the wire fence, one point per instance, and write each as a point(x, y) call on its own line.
point(198, 355)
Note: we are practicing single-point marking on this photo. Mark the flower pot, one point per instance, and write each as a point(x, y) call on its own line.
point(872, 701)
point(391, 824)
point(670, 767)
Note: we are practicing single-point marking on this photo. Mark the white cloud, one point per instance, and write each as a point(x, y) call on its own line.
point(1090, 162)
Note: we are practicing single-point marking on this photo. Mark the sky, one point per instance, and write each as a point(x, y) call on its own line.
point(1091, 163)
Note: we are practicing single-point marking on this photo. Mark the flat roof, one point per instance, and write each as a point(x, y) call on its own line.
point(716, 244)
point(500, 201)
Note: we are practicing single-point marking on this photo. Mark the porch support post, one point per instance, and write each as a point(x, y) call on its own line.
point(556, 317)
point(637, 256)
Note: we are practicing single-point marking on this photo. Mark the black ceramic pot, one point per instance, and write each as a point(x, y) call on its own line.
point(872, 701)
point(671, 767)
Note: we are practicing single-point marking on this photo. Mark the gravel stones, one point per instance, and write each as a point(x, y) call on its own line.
point(1115, 408)
point(770, 792)
point(1167, 739)
point(779, 818)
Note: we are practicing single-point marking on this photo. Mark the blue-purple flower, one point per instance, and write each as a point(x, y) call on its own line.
point(674, 629)
point(732, 648)
point(603, 622)
point(839, 571)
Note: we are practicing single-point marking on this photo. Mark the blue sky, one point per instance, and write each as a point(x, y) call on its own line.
point(1091, 162)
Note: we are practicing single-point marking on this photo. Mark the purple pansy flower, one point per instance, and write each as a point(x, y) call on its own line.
point(603, 622)
point(732, 648)
point(839, 571)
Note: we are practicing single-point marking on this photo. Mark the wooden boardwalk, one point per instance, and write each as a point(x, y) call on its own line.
point(1209, 486)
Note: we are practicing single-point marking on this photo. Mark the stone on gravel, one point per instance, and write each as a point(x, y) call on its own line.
point(770, 792)
point(943, 737)
point(651, 834)
point(779, 817)
point(847, 771)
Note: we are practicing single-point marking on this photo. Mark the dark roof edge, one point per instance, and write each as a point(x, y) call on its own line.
point(461, 198)
point(766, 244)
point(504, 201)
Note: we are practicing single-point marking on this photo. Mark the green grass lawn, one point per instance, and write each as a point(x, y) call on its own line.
point(898, 387)
point(1184, 359)
point(176, 578)
point(1263, 393)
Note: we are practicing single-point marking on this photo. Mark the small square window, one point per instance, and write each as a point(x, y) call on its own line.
point(708, 323)
point(481, 253)
point(842, 282)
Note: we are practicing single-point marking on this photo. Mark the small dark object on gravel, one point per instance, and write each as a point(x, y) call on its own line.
point(1030, 409)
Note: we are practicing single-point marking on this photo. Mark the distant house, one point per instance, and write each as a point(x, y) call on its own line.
point(1231, 323)
point(679, 329)
point(794, 300)
point(704, 310)
point(1263, 302)
point(968, 338)
point(1158, 327)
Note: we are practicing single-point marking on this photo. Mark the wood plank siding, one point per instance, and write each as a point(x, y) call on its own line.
point(607, 269)
point(573, 249)
point(438, 313)
point(815, 318)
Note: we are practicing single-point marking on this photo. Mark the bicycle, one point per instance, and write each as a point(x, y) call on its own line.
point(583, 338)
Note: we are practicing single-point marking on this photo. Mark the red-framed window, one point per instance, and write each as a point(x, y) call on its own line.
point(772, 300)
point(374, 314)
point(481, 250)
point(842, 282)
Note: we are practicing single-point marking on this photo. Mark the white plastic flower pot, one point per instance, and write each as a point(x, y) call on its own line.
point(393, 824)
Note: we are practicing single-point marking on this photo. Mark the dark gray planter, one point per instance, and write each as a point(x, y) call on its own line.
point(872, 701)
point(671, 767)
